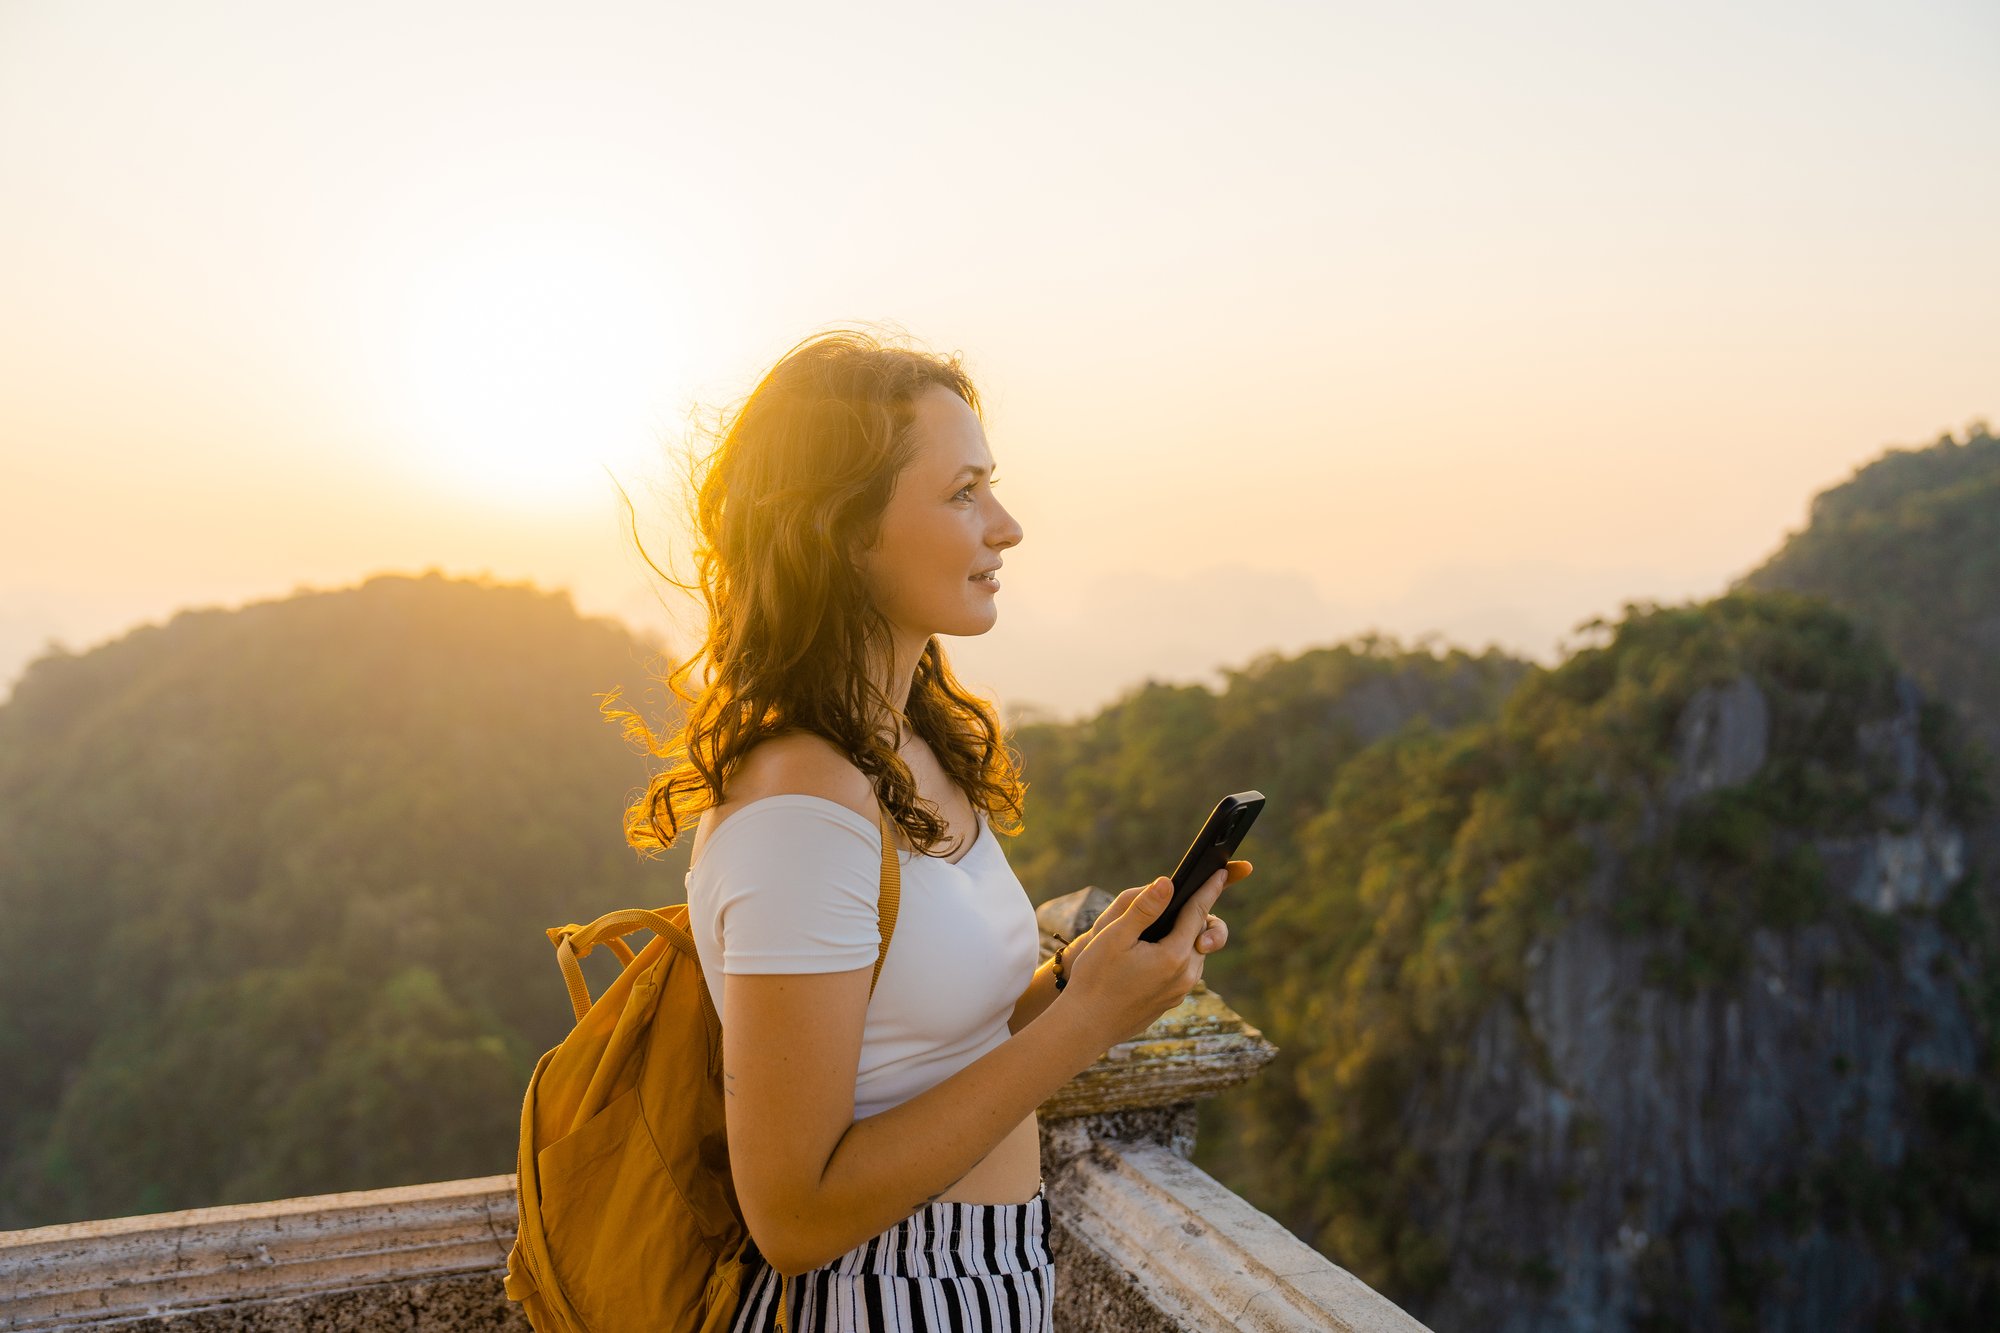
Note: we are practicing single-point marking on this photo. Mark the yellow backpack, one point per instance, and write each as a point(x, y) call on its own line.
point(629, 1217)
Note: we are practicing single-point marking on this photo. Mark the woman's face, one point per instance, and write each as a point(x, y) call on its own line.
point(942, 527)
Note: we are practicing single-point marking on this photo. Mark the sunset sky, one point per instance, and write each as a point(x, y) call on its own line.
point(1292, 320)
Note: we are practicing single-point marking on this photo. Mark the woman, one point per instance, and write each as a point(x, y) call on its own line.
point(884, 1148)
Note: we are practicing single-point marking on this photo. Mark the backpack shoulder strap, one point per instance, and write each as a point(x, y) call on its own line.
point(891, 893)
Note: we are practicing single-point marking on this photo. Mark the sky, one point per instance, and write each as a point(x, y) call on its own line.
point(1463, 323)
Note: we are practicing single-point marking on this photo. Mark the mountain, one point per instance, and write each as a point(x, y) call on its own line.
point(1910, 545)
point(276, 880)
point(1663, 1000)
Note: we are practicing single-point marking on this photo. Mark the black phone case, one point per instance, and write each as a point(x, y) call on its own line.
point(1212, 849)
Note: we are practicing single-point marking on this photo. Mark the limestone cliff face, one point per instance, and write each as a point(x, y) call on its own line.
point(1620, 1150)
point(1905, 546)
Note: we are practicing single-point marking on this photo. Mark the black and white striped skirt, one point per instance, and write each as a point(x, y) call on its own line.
point(949, 1267)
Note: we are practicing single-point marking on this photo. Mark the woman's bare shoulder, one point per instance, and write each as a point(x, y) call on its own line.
point(801, 763)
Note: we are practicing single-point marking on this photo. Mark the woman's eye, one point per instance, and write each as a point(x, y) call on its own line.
point(995, 481)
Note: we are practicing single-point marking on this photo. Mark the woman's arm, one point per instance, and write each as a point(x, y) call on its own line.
point(813, 1181)
point(887, 1166)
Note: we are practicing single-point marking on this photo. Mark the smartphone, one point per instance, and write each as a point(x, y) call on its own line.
point(1212, 849)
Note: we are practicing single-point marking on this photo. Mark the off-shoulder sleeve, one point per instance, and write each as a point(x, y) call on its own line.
point(792, 885)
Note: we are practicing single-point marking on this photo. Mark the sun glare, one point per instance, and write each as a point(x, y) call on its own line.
point(533, 358)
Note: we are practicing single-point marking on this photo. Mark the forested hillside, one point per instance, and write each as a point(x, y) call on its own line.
point(275, 881)
point(1115, 799)
point(1911, 545)
point(1664, 1000)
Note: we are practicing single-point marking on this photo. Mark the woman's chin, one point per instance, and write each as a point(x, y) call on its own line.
point(974, 622)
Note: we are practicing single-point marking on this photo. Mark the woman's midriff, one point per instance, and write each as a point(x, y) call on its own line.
point(1011, 1173)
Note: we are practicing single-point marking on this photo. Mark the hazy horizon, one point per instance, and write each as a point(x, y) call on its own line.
point(1290, 323)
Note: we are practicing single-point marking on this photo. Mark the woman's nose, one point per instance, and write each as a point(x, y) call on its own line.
point(1010, 531)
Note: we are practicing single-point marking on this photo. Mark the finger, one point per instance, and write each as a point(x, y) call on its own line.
point(1238, 870)
point(1215, 936)
point(1113, 908)
point(1144, 908)
point(1194, 913)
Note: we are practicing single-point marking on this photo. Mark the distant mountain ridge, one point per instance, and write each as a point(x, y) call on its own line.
point(1910, 544)
point(275, 880)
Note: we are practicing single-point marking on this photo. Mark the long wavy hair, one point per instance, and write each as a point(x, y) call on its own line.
point(798, 482)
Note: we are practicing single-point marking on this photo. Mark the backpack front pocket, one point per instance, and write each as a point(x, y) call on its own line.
point(625, 1249)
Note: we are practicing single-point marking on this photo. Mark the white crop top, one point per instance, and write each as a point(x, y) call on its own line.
point(789, 883)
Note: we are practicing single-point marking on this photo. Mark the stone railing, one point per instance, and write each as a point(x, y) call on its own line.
point(1143, 1239)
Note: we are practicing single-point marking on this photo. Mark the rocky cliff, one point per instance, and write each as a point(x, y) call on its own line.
point(1663, 1002)
point(1638, 1154)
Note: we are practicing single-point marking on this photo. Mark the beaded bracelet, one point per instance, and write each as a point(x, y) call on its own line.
point(1057, 958)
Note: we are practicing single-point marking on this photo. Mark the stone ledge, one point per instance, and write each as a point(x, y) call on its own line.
point(1152, 1242)
point(1145, 1242)
point(156, 1262)
point(416, 1305)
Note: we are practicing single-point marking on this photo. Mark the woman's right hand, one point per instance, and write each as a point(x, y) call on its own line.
point(1124, 983)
